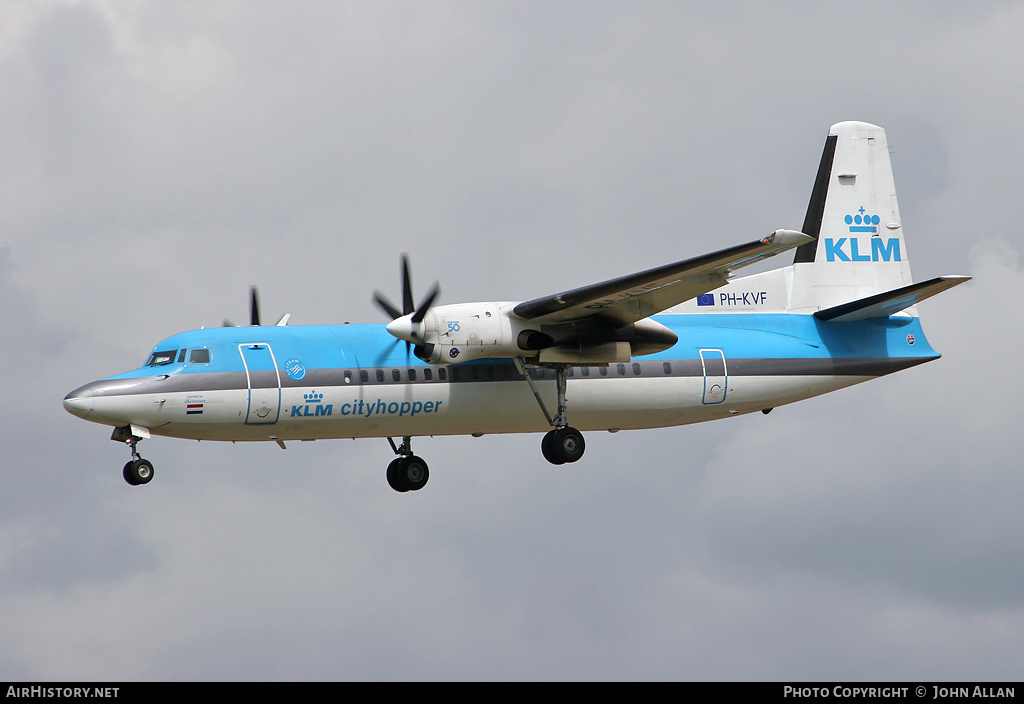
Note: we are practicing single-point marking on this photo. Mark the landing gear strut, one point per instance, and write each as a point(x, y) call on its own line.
point(564, 443)
point(408, 472)
point(138, 470)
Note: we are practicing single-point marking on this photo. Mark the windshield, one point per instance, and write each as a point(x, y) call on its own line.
point(158, 358)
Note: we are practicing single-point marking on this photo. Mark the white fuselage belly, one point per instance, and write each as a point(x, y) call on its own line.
point(455, 409)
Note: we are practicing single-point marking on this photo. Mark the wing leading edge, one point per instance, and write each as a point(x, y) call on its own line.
point(620, 302)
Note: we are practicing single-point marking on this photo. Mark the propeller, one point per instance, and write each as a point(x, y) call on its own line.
point(406, 323)
point(254, 306)
point(254, 311)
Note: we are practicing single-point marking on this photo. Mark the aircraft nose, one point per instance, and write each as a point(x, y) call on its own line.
point(79, 402)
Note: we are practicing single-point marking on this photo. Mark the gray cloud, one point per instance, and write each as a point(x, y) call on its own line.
point(156, 160)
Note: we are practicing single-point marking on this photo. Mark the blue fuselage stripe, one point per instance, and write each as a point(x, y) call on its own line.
point(753, 344)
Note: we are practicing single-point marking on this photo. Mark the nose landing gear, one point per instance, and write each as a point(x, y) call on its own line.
point(138, 470)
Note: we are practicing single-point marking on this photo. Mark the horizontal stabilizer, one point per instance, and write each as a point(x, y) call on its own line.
point(882, 305)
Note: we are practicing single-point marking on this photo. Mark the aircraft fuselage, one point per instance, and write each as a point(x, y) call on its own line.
point(352, 381)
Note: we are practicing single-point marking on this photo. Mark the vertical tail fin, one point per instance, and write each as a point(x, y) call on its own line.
point(854, 217)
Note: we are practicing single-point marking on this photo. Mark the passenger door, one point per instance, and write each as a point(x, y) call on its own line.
point(264, 383)
point(716, 377)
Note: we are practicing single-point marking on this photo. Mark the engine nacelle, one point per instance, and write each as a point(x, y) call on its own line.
point(465, 331)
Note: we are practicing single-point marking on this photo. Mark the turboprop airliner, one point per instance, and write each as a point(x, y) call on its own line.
point(680, 343)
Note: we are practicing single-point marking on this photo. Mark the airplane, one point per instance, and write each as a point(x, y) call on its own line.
point(681, 343)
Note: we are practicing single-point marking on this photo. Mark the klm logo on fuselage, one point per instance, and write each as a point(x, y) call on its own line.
point(313, 402)
point(313, 408)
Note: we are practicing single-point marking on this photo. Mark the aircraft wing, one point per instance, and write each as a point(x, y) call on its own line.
point(628, 299)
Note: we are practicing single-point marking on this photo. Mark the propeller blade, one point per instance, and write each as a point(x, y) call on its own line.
point(254, 307)
point(407, 305)
point(384, 303)
point(425, 305)
point(386, 352)
point(424, 351)
point(410, 332)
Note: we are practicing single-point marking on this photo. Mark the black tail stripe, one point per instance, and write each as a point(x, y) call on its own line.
point(816, 206)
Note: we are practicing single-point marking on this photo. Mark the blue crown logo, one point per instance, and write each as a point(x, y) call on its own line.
point(313, 397)
point(862, 222)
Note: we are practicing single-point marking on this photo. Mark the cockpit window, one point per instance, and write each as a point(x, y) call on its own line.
point(158, 358)
point(199, 357)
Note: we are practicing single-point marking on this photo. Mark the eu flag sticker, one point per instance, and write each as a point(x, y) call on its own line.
point(708, 299)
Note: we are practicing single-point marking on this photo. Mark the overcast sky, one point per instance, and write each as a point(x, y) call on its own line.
point(158, 158)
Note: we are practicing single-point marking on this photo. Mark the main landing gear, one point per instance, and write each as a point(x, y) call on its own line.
point(564, 443)
point(561, 445)
point(408, 472)
point(138, 470)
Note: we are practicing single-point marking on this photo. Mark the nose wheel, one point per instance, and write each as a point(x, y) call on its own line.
point(138, 472)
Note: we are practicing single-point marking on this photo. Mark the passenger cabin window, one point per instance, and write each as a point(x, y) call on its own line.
point(199, 357)
point(159, 358)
